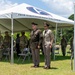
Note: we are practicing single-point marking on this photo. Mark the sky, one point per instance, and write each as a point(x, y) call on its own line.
point(60, 7)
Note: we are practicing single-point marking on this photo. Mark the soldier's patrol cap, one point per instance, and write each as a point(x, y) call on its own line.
point(46, 24)
point(6, 31)
point(34, 23)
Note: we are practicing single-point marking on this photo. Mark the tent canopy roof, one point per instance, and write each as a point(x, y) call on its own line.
point(24, 14)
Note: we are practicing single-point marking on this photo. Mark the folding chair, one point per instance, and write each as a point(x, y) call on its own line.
point(25, 53)
point(69, 52)
point(6, 53)
point(56, 50)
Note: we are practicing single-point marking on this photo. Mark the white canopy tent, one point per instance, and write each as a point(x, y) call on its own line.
point(24, 14)
point(20, 17)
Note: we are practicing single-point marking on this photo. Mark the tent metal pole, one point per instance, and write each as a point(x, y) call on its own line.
point(61, 32)
point(55, 39)
point(12, 54)
point(74, 36)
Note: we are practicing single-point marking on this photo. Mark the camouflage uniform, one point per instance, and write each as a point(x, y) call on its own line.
point(7, 44)
point(23, 42)
point(7, 41)
point(1, 43)
point(35, 40)
point(63, 45)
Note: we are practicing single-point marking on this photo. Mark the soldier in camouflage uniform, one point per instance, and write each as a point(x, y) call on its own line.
point(7, 44)
point(23, 41)
point(63, 45)
point(1, 45)
point(7, 40)
point(1, 40)
point(35, 41)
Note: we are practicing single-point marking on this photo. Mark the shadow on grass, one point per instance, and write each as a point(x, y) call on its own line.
point(50, 68)
point(60, 57)
point(54, 68)
point(28, 61)
point(57, 58)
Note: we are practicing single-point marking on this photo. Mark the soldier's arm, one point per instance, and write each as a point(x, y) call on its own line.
point(40, 37)
point(26, 40)
point(31, 37)
point(2, 40)
point(51, 38)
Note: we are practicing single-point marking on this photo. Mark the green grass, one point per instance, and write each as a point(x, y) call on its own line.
point(61, 66)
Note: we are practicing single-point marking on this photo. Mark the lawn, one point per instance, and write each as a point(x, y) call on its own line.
point(60, 66)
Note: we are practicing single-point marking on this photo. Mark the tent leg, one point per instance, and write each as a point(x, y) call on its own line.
point(55, 40)
point(74, 36)
point(61, 32)
point(12, 56)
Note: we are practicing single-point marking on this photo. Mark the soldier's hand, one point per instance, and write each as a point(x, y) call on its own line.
point(50, 45)
point(38, 46)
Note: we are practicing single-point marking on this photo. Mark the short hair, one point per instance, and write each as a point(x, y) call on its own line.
point(6, 31)
point(22, 32)
point(34, 23)
point(18, 35)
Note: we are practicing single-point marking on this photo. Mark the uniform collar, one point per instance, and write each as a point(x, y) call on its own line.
point(46, 30)
point(35, 30)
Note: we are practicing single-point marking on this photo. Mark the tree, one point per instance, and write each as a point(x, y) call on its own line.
point(67, 32)
point(71, 17)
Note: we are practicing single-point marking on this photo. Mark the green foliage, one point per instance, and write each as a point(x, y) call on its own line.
point(57, 43)
point(67, 32)
point(26, 33)
point(71, 17)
